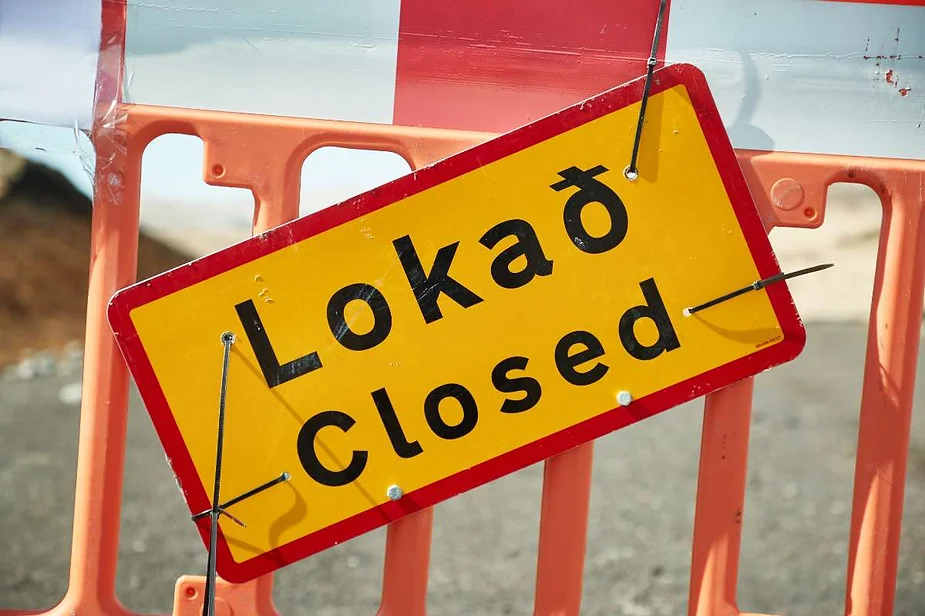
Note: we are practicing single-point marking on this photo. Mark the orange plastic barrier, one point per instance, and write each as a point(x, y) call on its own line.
point(265, 154)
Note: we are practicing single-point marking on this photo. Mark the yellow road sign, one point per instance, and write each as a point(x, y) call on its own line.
point(457, 324)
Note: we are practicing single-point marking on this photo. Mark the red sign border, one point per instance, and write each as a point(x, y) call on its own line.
point(300, 229)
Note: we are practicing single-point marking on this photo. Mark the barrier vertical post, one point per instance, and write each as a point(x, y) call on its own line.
point(886, 400)
point(720, 500)
point(104, 403)
point(563, 532)
point(407, 558)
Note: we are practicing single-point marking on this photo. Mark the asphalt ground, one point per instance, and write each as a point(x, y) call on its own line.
point(796, 517)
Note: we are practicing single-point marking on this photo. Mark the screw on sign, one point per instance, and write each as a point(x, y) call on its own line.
point(460, 323)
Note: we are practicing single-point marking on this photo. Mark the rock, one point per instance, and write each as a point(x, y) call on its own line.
point(70, 393)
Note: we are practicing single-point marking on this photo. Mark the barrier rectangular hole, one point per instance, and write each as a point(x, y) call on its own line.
point(805, 420)
point(643, 489)
point(333, 174)
point(483, 556)
point(344, 579)
point(158, 541)
point(178, 207)
point(801, 468)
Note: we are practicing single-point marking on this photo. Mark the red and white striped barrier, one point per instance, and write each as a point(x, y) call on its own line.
point(790, 75)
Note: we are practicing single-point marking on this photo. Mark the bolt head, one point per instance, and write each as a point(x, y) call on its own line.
point(787, 194)
point(395, 492)
point(624, 398)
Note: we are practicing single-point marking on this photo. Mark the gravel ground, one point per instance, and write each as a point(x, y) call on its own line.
point(484, 549)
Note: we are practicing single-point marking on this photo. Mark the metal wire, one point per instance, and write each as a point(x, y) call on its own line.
point(208, 600)
point(755, 286)
point(632, 171)
point(237, 499)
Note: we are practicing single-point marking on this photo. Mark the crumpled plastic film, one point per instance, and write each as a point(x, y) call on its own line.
point(85, 153)
point(50, 58)
point(108, 134)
